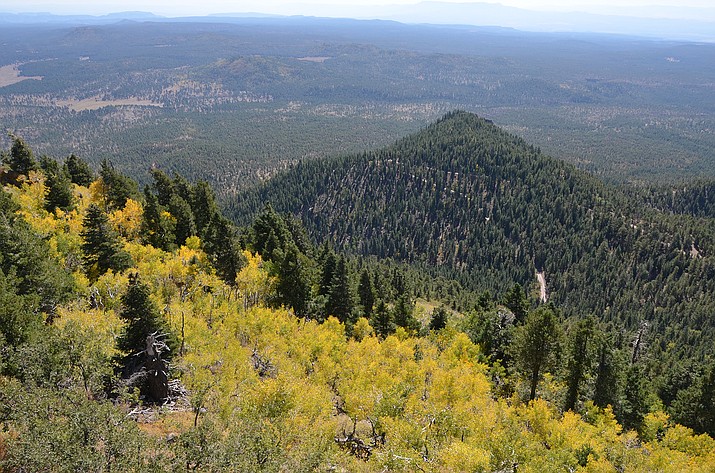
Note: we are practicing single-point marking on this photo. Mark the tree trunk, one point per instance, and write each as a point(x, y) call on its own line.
point(534, 382)
point(157, 380)
point(157, 370)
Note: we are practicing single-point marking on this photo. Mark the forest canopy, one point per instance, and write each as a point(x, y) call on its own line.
point(148, 332)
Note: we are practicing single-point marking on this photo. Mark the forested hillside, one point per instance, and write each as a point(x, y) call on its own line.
point(230, 100)
point(145, 332)
point(489, 210)
point(688, 198)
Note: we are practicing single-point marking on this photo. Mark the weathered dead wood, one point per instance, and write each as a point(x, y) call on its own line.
point(357, 446)
point(263, 365)
point(149, 370)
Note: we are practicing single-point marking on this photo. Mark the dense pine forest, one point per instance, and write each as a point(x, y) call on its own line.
point(482, 207)
point(230, 100)
point(374, 312)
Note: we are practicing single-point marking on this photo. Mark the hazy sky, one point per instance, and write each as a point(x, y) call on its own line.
point(203, 7)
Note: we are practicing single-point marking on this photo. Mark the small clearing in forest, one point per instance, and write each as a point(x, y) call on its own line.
point(11, 74)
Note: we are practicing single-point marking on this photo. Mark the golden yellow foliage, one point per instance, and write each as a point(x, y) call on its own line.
point(252, 281)
point(127, 221)
point(97, 192)
point(261, 380)
point(31, 194)
point(105, 324)
point(461, 456)
point(362, 329)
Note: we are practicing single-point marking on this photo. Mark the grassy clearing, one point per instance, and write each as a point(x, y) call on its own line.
point(11, 74)
point(95, 103)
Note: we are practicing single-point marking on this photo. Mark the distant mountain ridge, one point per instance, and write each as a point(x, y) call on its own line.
point(698, 26)
point(480, 205)
point(50, 18)
point(688, 24)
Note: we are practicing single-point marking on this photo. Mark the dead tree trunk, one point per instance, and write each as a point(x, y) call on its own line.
point(157, 370)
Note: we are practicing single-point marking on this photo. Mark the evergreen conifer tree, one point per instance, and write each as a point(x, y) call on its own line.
point(438, 321)
point(270, 235)
point(327, 273)
point(27, 263)
point(79, 171)
point(381, 320)
point(706, 417)
point(579, 361)
point(203, 205)
point(695, 406)
point(366, 293)
point(679, 376)
point(294, 281)
point(404, 313)
point(8, 207)
point(605, 390)
point(380, 285)
point(492, 330)
point(298, 235)
point(118, 187)
point(515, 300)
point(18, 318)
point(221, 244)
point(184, 189)
point(399, 283)
point(184, 217)
point(633, 406)
point(58, 184)
point(20, 159)
point(141, 316)
point(536, 345)
point(340, 299)
point(101, 246)
point(163, 185)
point(157, 228)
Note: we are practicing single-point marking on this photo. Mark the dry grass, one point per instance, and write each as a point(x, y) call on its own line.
point(11, 74)
point(314, 58)
point(168, 424)
point(95, 103)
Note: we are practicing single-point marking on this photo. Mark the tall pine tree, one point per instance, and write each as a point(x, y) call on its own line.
point(608, 367)
point(579, 362)
point(340, 299)
point(381, 320)
point(163, 185)
point(184, 217)
point(536, 345)
point(438, 321)
point(101, 245)
point(79, 171)
point(404, 313)
point(695, 405)
point(157, 228)
point(634, 404)
point(117, 187)
point(294, 281)
point(142, 319)
point(21, 158)
point(59, 186)
point(515, 300)
point(327, 272)
point(366, 293)
point(221, 244)
point(203, 204)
